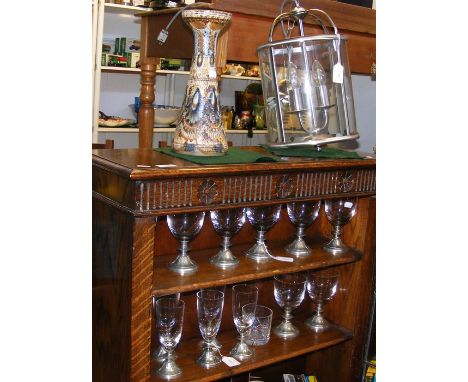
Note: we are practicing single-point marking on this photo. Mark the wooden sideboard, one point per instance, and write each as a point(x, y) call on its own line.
point(249, 28)
point(132, 246)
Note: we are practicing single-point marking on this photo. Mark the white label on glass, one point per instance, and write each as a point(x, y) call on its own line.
point(282, 258)
point(230, 361)
point(348, 205)
point(338, 73)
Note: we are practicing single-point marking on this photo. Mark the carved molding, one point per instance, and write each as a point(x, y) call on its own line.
point(252, 189)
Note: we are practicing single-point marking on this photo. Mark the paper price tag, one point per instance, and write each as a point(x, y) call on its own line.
point(348, 205)
point(230, 361)
point(338, 73)
point(282, 258)
point(165, 165)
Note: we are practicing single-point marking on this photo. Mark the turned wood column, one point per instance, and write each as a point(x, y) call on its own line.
point(146, 113)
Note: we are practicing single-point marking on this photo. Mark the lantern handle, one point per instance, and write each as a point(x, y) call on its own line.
point(298, 13)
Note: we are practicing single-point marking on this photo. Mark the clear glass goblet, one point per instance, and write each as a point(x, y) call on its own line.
point(339, 212)
point(289, 293)
point(159, 354)
point(244, 301)
point(210, 304)
point(227, 223)
point(302, 215)
point(321, 287)
point(169, 322)
point(262, 218)
point(184, 227)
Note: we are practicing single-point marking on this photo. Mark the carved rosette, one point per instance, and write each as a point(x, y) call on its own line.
point(345, 182)
point(284, 186)
point(207, 191)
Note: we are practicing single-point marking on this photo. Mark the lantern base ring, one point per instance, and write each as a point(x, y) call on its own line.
point(315, 142)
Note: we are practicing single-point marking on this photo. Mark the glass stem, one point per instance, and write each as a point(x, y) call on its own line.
point(319, 308)
point(287, 315)
point(261, 237)
point(300, 231)
point(336, 232)
point(242, 338)
point(184, 247)
point(226, 242)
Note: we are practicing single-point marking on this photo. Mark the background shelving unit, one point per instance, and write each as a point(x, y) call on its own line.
point(115, 88)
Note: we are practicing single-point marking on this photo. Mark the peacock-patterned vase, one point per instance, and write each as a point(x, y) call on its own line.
point(199, 128)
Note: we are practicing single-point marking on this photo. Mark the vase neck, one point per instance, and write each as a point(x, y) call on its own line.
point(204, 55)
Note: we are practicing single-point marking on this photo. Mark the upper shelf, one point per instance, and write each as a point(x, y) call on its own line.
point(112, 69)
point(165, 282)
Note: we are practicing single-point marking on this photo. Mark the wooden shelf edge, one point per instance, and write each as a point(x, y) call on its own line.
point(276, 350)
point(210, 276)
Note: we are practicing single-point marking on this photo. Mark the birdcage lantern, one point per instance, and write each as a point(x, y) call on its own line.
point(306, 82)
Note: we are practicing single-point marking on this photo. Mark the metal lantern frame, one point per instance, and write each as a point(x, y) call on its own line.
point(292, 18)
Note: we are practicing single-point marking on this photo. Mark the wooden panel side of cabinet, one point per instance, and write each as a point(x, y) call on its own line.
point(122, 278)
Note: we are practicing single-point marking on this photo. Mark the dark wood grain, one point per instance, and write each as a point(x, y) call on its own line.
point(112, 237)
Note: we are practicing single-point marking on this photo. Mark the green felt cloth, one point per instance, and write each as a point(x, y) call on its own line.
point(310, 152)
point(234, 155)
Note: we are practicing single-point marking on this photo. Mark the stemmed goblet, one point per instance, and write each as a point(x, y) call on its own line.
point(159, 354)
point(321, 286)
point(262, 218)
point(339, 212)
point(302, 215)
point(227, 223)
point(289, 293)
point(210, 304)
point(244, 301)
point(184, 227)
point(169, 314)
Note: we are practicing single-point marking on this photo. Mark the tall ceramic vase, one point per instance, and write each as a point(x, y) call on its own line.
point(199, 129)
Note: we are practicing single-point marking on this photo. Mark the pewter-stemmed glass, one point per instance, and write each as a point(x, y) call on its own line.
point(227, 223)
point(210, 304)
point(321, 286)
point(339, 212)
point(289, 292)
point(244, 301)
point(169, 321)
point(159, 354)
point(262, 218)
point(184, 227)
point(302, 215)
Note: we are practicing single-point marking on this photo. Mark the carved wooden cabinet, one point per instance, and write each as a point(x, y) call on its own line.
point(132, 247)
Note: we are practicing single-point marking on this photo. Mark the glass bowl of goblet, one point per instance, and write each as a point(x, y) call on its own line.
point(226, 223)
point(302, 215)
point(321, 287)
point(339, 212)
point(184, 227)
point(289, 290)
point(262, 218)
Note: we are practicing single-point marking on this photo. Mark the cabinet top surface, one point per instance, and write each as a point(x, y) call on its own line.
point(132, 163)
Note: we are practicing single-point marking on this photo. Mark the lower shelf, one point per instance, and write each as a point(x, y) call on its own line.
point(276, 350)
